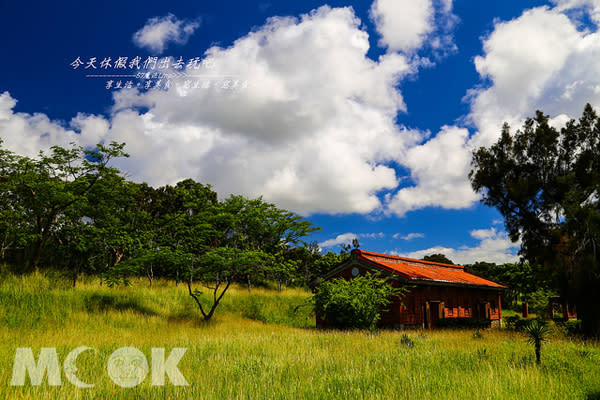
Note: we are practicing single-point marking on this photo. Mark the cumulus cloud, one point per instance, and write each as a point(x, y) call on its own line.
point(402, 24)
point(313, 131)
point(410, 236)
point(539, 60)
point(438, 169)
point(343, 238)
point(532, 62)
point(494, 246)
point(406, 25)
point(27, 134)
point(347, 238)
point(578, 8)
point(158, 32)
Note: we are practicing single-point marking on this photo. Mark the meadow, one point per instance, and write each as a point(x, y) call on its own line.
point(261, 345)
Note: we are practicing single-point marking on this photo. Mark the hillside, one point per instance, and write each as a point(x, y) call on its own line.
point(258, 347)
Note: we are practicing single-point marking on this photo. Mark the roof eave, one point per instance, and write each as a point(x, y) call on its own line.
point(459, 284)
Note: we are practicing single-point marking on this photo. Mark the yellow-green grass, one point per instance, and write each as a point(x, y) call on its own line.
point(259, 347)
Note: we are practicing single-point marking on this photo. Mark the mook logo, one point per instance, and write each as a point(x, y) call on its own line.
point(126, 367)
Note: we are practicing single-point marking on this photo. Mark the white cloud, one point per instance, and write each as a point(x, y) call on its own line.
point(406, 25)
point(403, 24)
point(494, 246)
point(343, 238)
point(27, 134)
point(528, 62)
point(409, 236)
point(347, 238)
point(314, 131)
point(309, 135)
point(576, 8)
point(539, 60)
point(160, 31)
point(438, 168)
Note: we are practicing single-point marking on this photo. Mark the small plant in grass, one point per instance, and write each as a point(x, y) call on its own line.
point(482, 354)
point(406, 341)
point(537, 332)
point(477, 334)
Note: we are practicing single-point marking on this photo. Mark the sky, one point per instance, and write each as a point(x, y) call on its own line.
point(361, 116)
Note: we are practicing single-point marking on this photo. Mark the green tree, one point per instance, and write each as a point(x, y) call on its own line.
point(256, 225)
point(440, 258)
point(546, 184)
point(46, 191)
point(248, 239)
point(217, 269)
point(522, 281)
point(354, 303)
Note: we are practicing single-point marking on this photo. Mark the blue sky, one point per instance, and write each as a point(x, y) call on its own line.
point(360, 115)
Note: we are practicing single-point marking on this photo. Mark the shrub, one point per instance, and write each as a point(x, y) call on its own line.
point(516, 323)
point(574, 327)
point(464, 322)
point(355, 303)
point(511, 321)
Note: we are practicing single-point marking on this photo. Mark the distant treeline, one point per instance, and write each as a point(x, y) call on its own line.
point(69, 210)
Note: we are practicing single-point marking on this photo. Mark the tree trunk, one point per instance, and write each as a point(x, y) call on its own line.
point(150, 275)
point(538, 352)
point(37, 254)
point(42, 230)
point(74, 280)
point(249, 284)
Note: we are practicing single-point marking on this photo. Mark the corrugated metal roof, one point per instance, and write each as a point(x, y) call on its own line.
point(419, 270)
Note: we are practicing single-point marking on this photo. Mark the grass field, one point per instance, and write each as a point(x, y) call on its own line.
point(258, 347)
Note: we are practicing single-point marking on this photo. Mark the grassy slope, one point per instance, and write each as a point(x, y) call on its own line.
point(238, 356)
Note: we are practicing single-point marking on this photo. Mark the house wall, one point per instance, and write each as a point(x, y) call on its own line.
point(457, 301)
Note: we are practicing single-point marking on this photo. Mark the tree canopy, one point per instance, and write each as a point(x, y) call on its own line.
point(546, 184)
point(70, 211)
point(440, 258)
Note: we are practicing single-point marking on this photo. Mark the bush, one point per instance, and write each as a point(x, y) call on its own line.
point(355, 303)
point(464, 322)
point(574, 327)
point(516, 323)
point(511, 321)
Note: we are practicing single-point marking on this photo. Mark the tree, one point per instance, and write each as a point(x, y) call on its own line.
point(256, 225)
point(217, 269)
point(239, 239)
point(46, 191)
point(354, 303)
point(522, 281)
point(546, 184)
point(440, 258)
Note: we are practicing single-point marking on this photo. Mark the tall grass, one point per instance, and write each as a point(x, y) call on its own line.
point(259, 347)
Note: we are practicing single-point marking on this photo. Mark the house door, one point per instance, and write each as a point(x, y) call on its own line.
point(483, 310)
point(434, 310)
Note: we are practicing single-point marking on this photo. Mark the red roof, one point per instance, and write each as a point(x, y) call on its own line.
point(419, 270)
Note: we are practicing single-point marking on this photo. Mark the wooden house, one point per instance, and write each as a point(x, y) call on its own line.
point(437, 290)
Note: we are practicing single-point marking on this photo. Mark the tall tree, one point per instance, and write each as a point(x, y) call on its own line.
point(52, 187)
point(546, 184)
